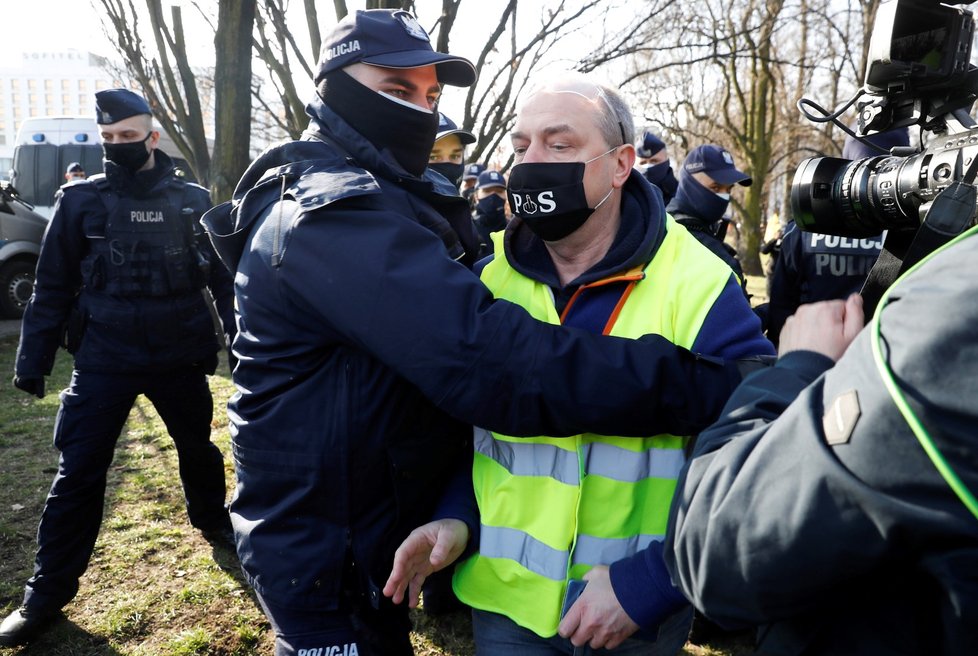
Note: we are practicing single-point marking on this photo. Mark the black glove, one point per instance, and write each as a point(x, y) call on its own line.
point(31, 385)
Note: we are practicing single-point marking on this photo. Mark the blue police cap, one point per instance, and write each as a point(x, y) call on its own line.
point(650, 145)
point(447, 126)
point(74, 166)
point(113, 105)
point(472, 171)
point(717, 163)
point(390, 38)
point(490, 179)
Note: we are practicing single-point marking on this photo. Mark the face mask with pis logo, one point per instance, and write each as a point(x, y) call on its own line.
point(549, 197)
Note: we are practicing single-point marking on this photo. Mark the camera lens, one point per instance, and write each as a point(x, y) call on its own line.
point(858, 198)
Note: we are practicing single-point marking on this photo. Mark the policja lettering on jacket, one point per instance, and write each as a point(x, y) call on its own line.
point(348, 649)
point(149, 216)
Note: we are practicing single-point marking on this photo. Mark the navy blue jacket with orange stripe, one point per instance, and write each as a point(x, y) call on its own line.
point(367, 348)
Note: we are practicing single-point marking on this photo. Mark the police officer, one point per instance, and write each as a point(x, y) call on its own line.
point(120, 283)
point(702, 196)
point(835, 504)
point(653, 161)
point(74, 172)
point(469, 178)
point(815, 267)
point(490, 207)
point(368, 348)
point(448, 153)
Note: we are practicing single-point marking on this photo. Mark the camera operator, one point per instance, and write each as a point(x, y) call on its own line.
point(833, 506)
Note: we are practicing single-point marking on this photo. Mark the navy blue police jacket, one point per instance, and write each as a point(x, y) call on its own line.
point(163, 322)
point(366, 350)
point(815, 267)
point(811, 509)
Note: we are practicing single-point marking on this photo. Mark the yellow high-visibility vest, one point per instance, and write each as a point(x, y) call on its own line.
point(553, 508)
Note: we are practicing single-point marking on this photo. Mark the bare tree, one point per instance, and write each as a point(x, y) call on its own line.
point(161, 69)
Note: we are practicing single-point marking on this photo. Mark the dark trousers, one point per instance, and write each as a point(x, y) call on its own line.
point(93, 412)
point(373, 630)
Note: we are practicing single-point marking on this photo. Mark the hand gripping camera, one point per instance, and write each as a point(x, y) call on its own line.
point(919, 73)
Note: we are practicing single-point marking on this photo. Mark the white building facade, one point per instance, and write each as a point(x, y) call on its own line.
point(59, 83)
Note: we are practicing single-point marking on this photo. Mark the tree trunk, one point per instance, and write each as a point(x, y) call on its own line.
point(232, 96)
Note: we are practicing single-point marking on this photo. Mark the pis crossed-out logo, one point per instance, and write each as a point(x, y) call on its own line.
point(529, 204)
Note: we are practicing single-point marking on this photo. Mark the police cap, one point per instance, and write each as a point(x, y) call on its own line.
point(75, 167)
point(472, 171)
point(391, 38)
point(650, 145)
point(490, 179)
point(447, 126)
point(717, 163)
point(113, 105)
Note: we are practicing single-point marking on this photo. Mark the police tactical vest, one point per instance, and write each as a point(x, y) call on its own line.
point(553, 508)
point(147, 247)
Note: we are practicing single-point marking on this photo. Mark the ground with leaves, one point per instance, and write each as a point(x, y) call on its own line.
point(154, 586)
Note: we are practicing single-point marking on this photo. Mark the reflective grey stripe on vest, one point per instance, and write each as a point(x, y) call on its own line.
point(590, 550)
point(601, 459)
point(509, 543)
point(539, 558)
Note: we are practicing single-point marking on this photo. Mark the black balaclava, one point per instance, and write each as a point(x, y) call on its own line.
point(408, 132)
point(450, 170)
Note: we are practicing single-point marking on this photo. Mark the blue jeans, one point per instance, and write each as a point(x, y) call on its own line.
point(497, 634)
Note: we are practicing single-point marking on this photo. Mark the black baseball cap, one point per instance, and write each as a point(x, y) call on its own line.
point(113, 105)
point(391, 38)
point(717, 163)
point(447, 126)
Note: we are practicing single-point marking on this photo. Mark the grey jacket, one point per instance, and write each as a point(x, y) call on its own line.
point(811, 509)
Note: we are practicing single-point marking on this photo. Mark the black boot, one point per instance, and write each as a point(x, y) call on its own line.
point(22, 625)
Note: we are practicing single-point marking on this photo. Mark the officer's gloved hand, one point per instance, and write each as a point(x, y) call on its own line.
point(31, 385)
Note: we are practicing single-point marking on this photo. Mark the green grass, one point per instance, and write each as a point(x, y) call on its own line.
point(154, 586)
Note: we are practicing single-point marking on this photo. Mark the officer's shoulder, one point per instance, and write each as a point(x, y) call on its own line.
point(78, 188)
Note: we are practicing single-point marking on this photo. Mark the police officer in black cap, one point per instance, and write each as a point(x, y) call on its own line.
point(121, 285)
point(653, 161)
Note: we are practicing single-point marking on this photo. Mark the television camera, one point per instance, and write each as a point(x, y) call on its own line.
point(918, 73)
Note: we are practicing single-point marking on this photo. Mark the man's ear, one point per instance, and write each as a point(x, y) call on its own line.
point(624, 164)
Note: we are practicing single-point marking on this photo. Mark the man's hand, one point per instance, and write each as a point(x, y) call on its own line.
point(428, 549)
point(31, 385)
point(596, 618)
point(827, 327)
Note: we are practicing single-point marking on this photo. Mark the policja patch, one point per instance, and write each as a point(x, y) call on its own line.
point(840, 419)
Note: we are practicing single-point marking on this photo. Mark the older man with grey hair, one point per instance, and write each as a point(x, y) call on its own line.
point(571, 529)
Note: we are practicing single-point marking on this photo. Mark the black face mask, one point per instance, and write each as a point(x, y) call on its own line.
point(451, 171)
point(407, 132)
point(130, 156)
point(549, 197)
point(661, 176)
